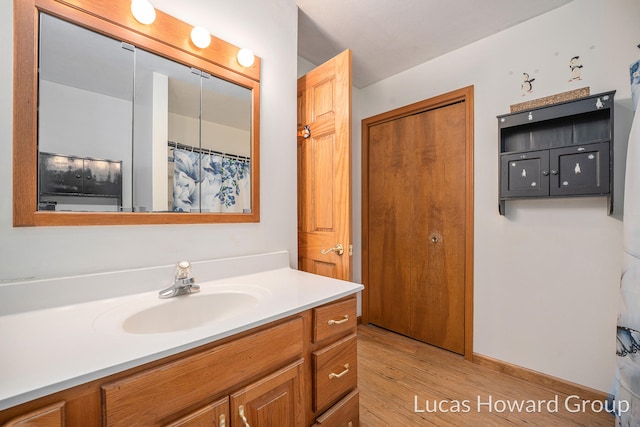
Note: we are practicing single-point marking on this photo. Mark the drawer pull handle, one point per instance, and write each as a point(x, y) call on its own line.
point(337, 322)
point(222, 420)
point(244, 419)
point(333, 375)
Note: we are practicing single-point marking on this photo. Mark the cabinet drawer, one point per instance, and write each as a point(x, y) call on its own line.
point(345, 413)
point(334, 319)
point(334, 372)
point(49, 416)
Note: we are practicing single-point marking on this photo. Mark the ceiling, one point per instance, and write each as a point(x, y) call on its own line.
point(390, 36)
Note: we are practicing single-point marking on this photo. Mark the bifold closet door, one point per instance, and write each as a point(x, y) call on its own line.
point(417, 226)
point(390, 225)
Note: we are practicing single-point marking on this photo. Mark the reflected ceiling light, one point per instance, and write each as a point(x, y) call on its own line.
point(200, 37)
point(143, 11)
point(245, 57)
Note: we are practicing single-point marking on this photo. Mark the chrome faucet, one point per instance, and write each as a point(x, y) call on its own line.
point(183, 283)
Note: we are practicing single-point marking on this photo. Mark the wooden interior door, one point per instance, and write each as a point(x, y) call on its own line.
point(324, 169)
point(417, 223)
point(438, 240)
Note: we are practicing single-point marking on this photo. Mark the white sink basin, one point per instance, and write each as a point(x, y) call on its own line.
point(148, 314)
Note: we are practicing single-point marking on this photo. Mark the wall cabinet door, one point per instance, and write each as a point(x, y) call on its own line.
point(580, 170)
point(525, 174)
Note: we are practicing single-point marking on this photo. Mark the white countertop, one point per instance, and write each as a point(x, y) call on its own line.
point(51, 349)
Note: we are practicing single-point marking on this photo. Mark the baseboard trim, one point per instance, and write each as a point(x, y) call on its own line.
point(554, 383)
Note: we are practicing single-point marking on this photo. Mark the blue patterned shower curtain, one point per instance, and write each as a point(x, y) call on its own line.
point(210, 183)
point(627, 386)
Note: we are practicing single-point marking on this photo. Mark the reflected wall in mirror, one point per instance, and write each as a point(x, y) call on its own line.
point(134, 124)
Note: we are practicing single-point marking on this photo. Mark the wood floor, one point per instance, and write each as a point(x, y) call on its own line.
point(404, 382)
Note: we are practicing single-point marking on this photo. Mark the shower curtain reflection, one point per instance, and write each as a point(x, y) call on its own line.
point(210, 182)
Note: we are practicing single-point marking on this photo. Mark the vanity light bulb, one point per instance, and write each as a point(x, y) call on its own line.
point(245, 57)
point(200, 37)
point(143, 11)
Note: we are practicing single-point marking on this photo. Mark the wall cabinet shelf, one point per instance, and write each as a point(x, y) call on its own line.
point(562, 150)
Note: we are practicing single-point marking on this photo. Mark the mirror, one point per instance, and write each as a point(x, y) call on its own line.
point(129, 132)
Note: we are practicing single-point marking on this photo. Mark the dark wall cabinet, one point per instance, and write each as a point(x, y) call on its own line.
point(562, 150)
point(61, 175)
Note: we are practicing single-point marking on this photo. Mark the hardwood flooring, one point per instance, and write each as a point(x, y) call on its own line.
point(404, 382)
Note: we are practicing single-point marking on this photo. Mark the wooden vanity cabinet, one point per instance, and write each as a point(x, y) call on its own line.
point(298, 371)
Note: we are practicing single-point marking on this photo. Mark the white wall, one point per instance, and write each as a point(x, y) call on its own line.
point(547, 274)
point(270, 30)
point(215, 136)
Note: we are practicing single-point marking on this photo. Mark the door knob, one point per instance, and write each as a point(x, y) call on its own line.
point(339, 249)
point(305, 132)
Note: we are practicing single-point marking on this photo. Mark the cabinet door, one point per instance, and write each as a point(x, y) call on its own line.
point(213, 415)
point(274, 401)
point(60, 174)
point(102, 177)
point(524, 174)
point(581, 169)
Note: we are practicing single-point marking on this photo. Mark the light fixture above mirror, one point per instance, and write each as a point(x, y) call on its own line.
point(246, 57)
point(200, 37)
point(168, 38)
point(143, 11)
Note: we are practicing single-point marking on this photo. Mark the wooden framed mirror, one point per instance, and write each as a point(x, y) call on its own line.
point(120, 172)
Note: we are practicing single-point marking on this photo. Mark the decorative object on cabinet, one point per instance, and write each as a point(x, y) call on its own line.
point(560, 150)
point(551, 100)
point(527, 84)
point(575, 65)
